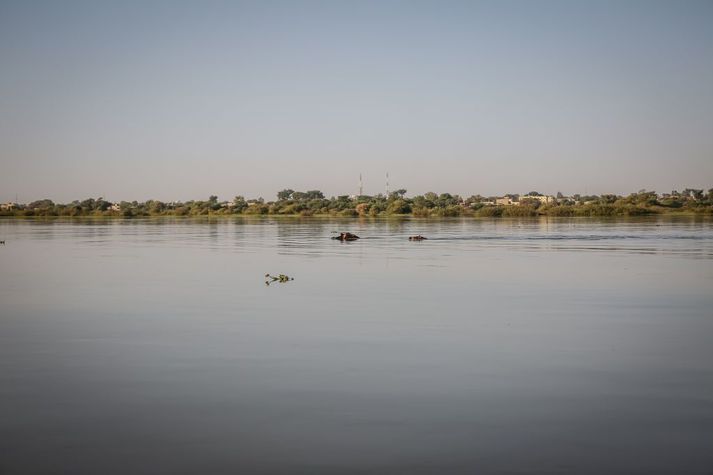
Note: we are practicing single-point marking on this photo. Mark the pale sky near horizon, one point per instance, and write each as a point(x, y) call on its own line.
point(178, 100)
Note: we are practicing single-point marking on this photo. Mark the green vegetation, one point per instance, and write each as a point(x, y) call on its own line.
point(314, 203)
point(282, 278)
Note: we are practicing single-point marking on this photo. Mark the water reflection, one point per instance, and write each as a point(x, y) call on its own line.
point(685, 235)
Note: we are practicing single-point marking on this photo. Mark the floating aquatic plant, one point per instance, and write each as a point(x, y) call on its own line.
point(282, 278)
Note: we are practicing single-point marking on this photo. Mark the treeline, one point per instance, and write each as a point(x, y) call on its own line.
point(314, 203)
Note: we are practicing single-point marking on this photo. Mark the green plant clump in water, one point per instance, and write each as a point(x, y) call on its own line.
point(282, 278)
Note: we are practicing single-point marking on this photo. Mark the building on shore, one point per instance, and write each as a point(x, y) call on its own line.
point(514, 200)
point(543, 199)
point(507, 201)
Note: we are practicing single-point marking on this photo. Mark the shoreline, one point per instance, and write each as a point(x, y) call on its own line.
point(224, 216)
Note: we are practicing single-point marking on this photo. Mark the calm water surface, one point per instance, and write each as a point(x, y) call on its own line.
point(504, 347)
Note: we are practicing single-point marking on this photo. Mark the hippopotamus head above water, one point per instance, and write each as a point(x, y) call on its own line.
point(346, 237)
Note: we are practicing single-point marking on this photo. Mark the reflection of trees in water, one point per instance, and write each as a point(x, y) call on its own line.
point(248, 231)
point(396, 225)
point(301, 233)
point(91, 229)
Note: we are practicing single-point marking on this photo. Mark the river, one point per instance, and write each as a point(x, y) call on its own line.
point(494, 346)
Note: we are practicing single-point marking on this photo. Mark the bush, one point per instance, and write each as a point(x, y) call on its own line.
point(565, 210)
point(421, 212)
point(490, 212)
point(519, 211)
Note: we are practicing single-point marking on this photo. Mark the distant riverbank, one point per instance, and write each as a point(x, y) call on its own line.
point(520, 211)
point(490, 212)
point(313, 203)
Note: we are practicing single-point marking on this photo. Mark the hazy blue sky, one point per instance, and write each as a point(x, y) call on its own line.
point(179, 100)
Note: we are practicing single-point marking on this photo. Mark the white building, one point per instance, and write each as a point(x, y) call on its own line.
point(544, 199)
point(506, 201)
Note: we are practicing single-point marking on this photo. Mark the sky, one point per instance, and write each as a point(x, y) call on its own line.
point(175, 100)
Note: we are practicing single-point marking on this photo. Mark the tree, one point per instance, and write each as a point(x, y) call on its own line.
point(362, 209)
point(102, 205)
point(446, 199)
point(155, 207)
point(88, 204)
point(41, 204)
point(421, 202)
point(693, 193)
point(399, 207)
point(285, 194)
point(239, 204)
